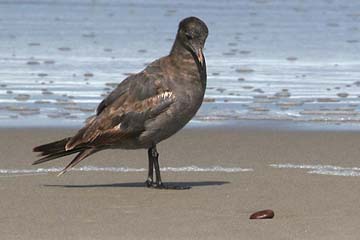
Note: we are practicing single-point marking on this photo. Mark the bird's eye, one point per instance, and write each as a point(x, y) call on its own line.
point(188, 36)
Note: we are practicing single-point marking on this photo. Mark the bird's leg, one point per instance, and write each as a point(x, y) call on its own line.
point(150, 180)
point(159, 184)
point(157, 168)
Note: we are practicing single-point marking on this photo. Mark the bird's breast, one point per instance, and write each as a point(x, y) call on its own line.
point(188, 96)
point(188, 100)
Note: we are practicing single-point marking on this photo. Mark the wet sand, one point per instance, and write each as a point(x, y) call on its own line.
point(106, 205)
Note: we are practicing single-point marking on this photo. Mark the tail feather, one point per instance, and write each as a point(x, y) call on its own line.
point(57, 149)
point(52, 147)
point(54, 155)
point(77, 139)
point(81, 156)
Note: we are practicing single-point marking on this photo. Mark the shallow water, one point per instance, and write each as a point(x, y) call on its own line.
point(280, 60)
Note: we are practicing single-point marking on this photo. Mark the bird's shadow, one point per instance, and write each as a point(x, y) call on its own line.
point(139, 184)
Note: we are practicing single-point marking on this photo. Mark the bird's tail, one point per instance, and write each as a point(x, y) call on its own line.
point(51, 147)
point(53, 150)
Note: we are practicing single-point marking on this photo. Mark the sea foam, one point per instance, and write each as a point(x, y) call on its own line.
point(24, 172)
point(323, 169)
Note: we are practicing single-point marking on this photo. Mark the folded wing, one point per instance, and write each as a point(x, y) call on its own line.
point(123, 114)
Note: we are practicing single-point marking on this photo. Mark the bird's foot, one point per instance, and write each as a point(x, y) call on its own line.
point(149, 183)
point(161, 185)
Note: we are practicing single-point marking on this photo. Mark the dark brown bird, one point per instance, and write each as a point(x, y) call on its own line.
point(146, 107)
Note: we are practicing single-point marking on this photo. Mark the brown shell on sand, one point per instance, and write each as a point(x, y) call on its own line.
point(264, 214)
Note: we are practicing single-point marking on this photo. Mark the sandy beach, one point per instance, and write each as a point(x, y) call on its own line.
point(116, 205)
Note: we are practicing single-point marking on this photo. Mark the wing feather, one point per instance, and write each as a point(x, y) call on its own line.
point(124, 112)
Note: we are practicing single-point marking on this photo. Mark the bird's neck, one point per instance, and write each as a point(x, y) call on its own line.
point(180, 51)
point(182, 57)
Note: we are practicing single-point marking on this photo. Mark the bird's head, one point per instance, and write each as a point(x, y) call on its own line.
point(192, 34)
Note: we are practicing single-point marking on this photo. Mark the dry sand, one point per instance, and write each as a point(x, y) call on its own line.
point(105, 205)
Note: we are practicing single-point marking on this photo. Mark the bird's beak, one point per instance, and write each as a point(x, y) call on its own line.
point(200, 56)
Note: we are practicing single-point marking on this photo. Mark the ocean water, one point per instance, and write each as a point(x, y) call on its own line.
point(266, 59)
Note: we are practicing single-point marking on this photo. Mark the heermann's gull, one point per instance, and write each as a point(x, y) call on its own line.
point(146, 107)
